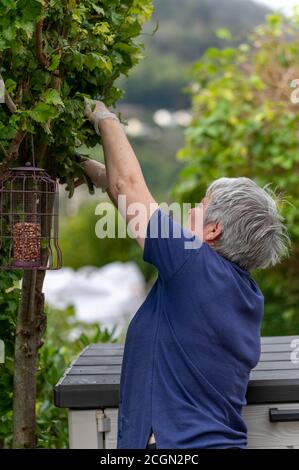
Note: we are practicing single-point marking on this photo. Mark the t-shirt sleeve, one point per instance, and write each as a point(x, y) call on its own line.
point(167, 244)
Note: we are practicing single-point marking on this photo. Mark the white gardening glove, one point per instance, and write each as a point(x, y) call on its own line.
point(96, 171)
point(95, 110)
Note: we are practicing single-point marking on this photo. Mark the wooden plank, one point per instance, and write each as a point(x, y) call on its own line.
point(278, 339)
point(264, 340)
point(88, 361)
point(279, 347)
point(105, 352)
point(267, 355)
point(275, 356)
point(277, 365)
point(97, 360)
point(89, 369)
point(274, 374)
point(95, 370)
point(91, 380)
point(103, 346)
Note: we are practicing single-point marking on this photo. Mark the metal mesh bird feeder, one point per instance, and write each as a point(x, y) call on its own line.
point(29, 219)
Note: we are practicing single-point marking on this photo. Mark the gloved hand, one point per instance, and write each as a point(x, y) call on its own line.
point(96, 171)
point(95, 111)
point(92, 108)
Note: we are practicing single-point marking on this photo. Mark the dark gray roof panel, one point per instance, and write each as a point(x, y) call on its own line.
point(92, 380)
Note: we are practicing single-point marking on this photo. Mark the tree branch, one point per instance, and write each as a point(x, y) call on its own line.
point(41, 57)
point(15, 144)
point(3, 150)
point(13, 152)
point(39, 45)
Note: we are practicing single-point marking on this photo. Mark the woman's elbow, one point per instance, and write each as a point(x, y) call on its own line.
point(123, 185)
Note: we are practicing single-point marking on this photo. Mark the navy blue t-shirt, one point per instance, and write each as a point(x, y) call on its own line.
point(190, 347)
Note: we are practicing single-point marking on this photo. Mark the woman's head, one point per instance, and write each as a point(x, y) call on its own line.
point(241, 222)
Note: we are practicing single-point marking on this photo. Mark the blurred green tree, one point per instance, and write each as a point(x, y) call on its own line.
point(186, 28)
point(245, 124)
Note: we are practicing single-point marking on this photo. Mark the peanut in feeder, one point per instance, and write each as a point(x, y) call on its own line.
point(29, 219)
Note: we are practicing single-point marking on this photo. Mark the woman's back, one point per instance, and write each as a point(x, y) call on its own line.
point(189, 349)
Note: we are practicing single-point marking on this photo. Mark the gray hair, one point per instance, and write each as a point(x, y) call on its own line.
point(254, 236)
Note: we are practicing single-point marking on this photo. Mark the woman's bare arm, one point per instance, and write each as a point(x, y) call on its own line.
point(125, 176)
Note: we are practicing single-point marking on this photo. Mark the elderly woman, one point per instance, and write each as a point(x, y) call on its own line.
point(190, 347)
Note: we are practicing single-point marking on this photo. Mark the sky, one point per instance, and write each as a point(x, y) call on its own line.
point(285, 5)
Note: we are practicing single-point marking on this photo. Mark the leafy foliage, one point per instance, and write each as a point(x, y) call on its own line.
point(9, 298)
point(52, 53)
point(244, 124)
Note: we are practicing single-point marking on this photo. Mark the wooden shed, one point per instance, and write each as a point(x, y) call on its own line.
point(90, 390)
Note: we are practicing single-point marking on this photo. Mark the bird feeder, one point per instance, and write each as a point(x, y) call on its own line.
point(29, 219)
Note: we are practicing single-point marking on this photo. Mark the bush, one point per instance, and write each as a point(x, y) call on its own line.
point(245, 125)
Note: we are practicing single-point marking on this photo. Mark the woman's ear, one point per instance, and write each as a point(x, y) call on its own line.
point(213, 231)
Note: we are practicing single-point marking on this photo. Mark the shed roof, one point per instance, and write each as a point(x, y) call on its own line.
point(92, 380)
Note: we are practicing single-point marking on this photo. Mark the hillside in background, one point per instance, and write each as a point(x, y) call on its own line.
point(186, 28)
